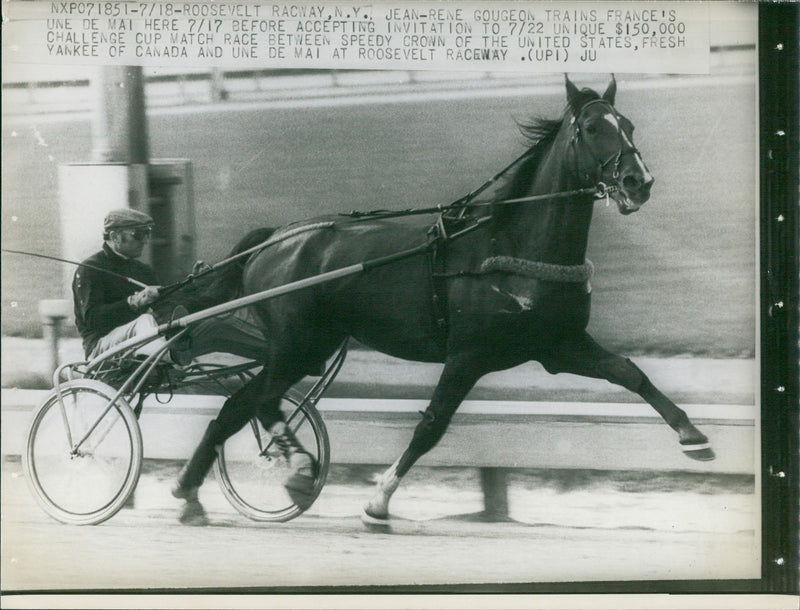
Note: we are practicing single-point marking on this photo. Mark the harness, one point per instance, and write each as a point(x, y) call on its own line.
point(438, 240)
point(450, 224)
point(437, 264)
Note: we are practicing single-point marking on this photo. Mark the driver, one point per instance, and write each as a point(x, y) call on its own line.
point(110, 308)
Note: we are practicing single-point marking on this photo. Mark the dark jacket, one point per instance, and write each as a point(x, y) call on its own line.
point(101, 298)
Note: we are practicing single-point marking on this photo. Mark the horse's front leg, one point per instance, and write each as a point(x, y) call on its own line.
point(583, 356)
point(457, 379)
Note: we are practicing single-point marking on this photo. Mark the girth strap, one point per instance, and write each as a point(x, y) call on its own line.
point(437, 263)
point(438, 239)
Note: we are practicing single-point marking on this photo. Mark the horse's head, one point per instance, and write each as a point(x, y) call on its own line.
point(602, 139)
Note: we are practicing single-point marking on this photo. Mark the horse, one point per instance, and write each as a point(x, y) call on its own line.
point(500, 279)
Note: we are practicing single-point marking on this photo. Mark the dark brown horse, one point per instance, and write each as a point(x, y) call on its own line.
point(512, 290)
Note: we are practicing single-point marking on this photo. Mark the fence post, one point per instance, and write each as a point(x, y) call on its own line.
point(53, 312)
point(217, 83)
point(495, 494)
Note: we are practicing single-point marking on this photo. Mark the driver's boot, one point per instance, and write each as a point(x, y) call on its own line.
point(193, 474)
point(300, 485)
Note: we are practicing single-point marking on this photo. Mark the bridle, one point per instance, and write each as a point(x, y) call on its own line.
point(598, 190)
point(625, 148)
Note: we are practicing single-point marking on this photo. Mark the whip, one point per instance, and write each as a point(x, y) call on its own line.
point(88, 266)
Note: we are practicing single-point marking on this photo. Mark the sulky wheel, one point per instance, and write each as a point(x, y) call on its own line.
point(83, 459)
point(252, 471)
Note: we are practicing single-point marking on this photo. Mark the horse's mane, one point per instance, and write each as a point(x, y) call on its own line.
point(539, 133)
point(217, 286)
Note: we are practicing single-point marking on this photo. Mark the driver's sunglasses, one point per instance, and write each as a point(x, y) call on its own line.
point(140, 234)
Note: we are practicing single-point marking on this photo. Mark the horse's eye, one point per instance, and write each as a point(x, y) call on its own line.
point(591, 128)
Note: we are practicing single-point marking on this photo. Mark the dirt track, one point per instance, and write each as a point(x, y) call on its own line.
point(577, 532)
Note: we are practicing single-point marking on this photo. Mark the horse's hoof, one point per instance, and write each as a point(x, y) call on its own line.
point(193, 513)
point(184, 493)
point(300, 485)
point(702, 452)
point(300, 488)
point(375, 522)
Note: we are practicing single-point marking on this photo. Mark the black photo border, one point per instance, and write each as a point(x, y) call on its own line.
point(779, 76)
point(779, 290)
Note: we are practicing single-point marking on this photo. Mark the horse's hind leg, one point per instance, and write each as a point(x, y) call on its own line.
point(583, 356)
point(260, 397)
point(284, 373)
point(235, 413)
point(457, 379)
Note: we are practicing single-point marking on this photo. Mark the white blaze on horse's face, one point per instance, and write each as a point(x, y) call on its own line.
point(610, 137)
point(608, 153)
point(634, 179)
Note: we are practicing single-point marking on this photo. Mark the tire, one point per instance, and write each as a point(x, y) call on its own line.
point(90, 486)
point(253, 483)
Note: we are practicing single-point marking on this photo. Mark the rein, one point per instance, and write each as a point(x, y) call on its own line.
point(598, 192)
point(167, 290)
point(545, 271)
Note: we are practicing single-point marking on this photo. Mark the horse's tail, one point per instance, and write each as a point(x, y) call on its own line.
point(218, 286)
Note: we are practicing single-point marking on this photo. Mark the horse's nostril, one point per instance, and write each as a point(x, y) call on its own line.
point(631, 182)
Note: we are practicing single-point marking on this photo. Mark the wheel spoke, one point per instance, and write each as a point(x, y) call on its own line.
point(253, 477)
point(87, 483)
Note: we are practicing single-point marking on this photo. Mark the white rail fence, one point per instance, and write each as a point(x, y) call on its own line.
point(491, 436)
point(497, 434)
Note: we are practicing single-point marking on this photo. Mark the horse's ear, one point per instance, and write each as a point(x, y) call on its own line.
point(572, 91)
point(611, 91)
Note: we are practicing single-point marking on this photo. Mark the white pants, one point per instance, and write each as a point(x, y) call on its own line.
point(141, 327)
point(234, 334)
